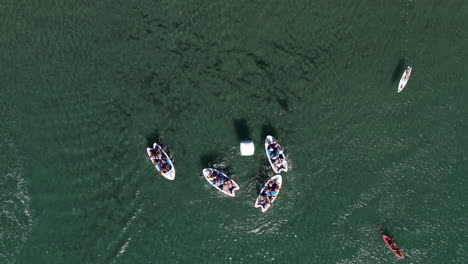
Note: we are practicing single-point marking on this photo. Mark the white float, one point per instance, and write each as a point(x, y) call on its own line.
point(247, 148)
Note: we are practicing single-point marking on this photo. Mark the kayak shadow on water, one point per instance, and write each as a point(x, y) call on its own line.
point(154, 137)
point(268, 129)
point(217, 161)
point(383, 230)
point(242, 129)
point(398, 71)
point(207, 160)
point(262, 174)
point(157, 137)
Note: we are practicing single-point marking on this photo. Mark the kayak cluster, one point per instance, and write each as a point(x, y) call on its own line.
point(222, 182)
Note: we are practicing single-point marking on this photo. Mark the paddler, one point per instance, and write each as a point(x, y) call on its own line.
point(155, 156)
point(407, 71)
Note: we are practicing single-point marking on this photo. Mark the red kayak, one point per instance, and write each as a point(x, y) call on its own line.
point(393, 247)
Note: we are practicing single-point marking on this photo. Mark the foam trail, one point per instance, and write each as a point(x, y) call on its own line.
point(15, 217)
point(123, 233)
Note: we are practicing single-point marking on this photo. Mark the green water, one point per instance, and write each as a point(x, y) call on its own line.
point(88, 85)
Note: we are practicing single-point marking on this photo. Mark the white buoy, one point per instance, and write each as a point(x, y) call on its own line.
point(247, 148)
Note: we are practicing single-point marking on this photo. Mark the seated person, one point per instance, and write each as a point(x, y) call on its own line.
point(155, 156)
point(220, 183)
point(164, 166)
point(228, 187)
point(279, 163)
point(155, 161)
point(395, 247)
point(264, 200)
point(272, 189)
point(213, 176)
point(155, 153)
point(216, 179)
point(271, 147)
point(274, 155)
point(275, 146)
point(275, 150)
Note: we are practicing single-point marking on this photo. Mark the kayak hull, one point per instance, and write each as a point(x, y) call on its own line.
point(388, 241)
point(279, 180)
point(170, 175)
point(207, 172)
point(280, 164)
point(404, 79)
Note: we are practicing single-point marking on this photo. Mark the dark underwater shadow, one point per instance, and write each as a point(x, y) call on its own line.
point(157, 137)
point(217, 161)
point(383, 230)
point(225, 167)
point(398, 71)
point(283, 103)
point(154, 137)
point(268, 129)
point(262, 174)
point(242, 129)
point(207, 160)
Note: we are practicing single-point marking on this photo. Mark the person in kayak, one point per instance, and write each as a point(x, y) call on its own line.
point(232, 187)
point(217, 179)
point(155, 156)
point(394, 247)
point(279, 163)
point(273, 154)
point(391, 243)
point(154, 161)
point(275, 147)
point(217, 182)
point(164, 166)
point(228, 186)
point(156, 152)
point(264, 200)
point(213, 176)
point(407, 72)
point(220, 182)
point(272, 189)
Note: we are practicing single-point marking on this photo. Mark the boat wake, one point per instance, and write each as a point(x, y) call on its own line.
point(121, 244)
point(15, 217)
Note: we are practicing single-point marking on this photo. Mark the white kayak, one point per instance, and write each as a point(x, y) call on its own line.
point(161, 161)
point(275, 155)
point(405, 78)
point(221, 182)
point(269, 192)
